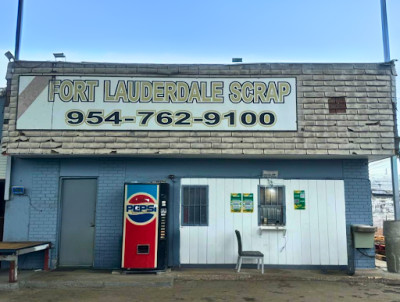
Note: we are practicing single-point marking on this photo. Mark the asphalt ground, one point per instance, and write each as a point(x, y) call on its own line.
point(201, 284)
point(213, 291)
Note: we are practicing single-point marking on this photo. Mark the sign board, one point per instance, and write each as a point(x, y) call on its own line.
point(142, 103)
point(236, 202)
point(299, 200)
point(248, 203)
point(270, 174)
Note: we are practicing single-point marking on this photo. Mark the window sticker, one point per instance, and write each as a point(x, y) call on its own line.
point(236, 202)
point(247, 204)
point(299, 200)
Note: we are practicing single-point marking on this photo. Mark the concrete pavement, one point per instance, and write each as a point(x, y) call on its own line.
point(86, 278)
point(217, 291)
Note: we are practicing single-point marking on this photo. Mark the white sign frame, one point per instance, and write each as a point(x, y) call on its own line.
point(194, 104)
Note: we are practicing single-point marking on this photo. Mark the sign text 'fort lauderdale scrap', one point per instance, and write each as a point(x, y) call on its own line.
point(127, 103)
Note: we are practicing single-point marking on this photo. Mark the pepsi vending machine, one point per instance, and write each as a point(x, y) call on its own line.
point(144, 242)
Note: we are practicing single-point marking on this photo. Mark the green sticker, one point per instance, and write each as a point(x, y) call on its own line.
point(236, 202)
point(248, 204)
point(299, 200)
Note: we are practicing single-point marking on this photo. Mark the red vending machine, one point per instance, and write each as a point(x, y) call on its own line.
point(144, 242)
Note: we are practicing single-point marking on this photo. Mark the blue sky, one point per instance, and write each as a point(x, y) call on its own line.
point(178, 31)
point(200, 32)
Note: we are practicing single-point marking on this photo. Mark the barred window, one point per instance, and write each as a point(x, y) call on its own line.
point(194, 205)
point(271, 207)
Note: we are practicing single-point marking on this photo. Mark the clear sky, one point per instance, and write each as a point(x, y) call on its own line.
point(179, 31)
point(207, 31)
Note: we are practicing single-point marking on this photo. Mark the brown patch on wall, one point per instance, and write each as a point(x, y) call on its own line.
point(337, 105)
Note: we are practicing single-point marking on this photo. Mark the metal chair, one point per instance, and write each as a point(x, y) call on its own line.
point(248, 254)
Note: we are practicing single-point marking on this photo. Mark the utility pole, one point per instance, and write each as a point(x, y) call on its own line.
point(18, 32)
point(393, 159)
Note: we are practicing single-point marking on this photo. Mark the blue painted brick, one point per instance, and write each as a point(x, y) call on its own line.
point(358, 204)
point(43, 199)
point(109, 215)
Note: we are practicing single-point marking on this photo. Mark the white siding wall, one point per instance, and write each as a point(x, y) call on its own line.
point(315, 236)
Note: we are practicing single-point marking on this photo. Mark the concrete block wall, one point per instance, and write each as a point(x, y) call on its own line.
point(366, 129)
point(382, 209)
point(358, 205)
point(45, 203)
point(41, 181)
point(109, 214)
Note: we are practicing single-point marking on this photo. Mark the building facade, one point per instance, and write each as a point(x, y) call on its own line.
point(277, 151)
point(3, 165)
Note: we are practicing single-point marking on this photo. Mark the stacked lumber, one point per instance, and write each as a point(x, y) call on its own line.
point(380, 247)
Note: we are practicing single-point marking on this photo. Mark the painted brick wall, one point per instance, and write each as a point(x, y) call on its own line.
point(358, 204)
point(109, 214)
point(366, 129)
point(43, 199)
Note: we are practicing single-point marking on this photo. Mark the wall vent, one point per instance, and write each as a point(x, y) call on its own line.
point(337, 105)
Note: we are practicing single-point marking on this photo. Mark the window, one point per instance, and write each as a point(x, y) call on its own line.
point(271, 206)
point(195, 205)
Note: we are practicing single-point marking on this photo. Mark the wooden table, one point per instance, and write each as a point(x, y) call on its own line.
point(9, 251)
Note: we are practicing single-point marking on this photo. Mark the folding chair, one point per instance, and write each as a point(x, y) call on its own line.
point(248, 254)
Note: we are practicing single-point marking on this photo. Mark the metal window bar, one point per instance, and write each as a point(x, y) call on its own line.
point(195, 205)
point(271, 206)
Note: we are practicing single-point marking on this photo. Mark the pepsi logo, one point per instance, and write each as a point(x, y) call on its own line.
point(141, 209)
